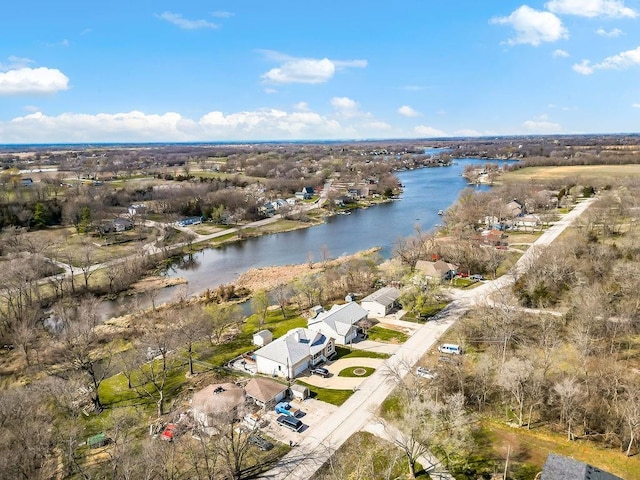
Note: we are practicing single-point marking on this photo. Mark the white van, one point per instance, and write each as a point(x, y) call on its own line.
point(450, 348)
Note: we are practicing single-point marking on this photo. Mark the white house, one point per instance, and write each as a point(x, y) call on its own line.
point(340, 322)
point(527, 222)
point(380, 302)
point(291, 354)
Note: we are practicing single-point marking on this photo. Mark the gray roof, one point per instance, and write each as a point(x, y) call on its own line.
point(340, 318)
point(293, 347)
point(385, 296)
point(558, 467)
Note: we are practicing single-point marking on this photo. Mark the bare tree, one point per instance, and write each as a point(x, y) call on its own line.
point(192, 327)
point(153, 376)
point(570, 397)
point(80, 343)
point(260, 303)
point(221, 318)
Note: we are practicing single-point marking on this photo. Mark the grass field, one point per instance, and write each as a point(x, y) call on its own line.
point(601, 173)
point(529, 450)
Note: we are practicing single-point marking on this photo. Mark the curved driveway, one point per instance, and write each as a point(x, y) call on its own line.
point(322, 441)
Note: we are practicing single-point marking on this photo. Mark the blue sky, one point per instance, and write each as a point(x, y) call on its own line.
point(215, 70)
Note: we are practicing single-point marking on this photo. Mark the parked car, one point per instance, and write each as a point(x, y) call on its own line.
point(463, 275)
point(260, 442)
point(291, 423)
point(450, 348)
point(426, 373)
point(285, 408)
point(170, 432)
point(323, 372)
point(476, 276)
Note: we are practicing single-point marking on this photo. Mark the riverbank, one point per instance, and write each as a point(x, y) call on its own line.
point(272, 277)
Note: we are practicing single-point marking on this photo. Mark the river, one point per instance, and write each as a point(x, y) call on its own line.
point(426, 191)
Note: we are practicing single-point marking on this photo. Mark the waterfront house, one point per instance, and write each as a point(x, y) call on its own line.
point(339, 323)
point(294, 352)
point(305, 194)
point(439, 269)
point(381, 302)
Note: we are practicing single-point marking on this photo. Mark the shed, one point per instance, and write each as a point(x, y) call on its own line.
point(262, 338)
point(265, 392)
point(299, 391)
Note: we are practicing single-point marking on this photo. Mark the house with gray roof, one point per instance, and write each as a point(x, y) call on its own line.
point(294, 352)
point(381, 302)
point(339, 323)
point(558, 467)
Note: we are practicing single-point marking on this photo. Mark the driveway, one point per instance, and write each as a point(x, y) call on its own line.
point(314, 413)
point(341, 383)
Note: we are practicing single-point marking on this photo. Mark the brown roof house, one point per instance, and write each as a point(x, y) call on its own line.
point(214, 402)
point(265, 392)
point(438, 269)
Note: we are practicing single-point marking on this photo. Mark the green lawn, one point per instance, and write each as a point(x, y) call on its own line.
point(348, 372)
point(379, 334)
point(334, 397)
point(343, 352)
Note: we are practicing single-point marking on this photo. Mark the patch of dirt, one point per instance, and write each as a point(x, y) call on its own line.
point(268, 278)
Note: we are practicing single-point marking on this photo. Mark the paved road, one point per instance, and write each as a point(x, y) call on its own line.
point(359, 409)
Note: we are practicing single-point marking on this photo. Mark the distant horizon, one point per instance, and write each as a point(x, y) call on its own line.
point(139, 72)
point(302, 142)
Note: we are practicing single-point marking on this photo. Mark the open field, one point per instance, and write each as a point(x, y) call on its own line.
point(602, 173)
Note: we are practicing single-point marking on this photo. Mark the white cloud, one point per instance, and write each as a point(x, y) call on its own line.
point(561, 53)
point(186, 24)
point(426, 131)
point(32, 81)
point(343, 103)
point(222, 14)
point(583, 68)
point(533, 26)
point(591, 8)
point(636, 105)
point(407, 111)
point(541, 126)
point(16, 63)
point(302, 106)
point(267, 124)
point(305, 70)
point(613, 33)
point(621, 61)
